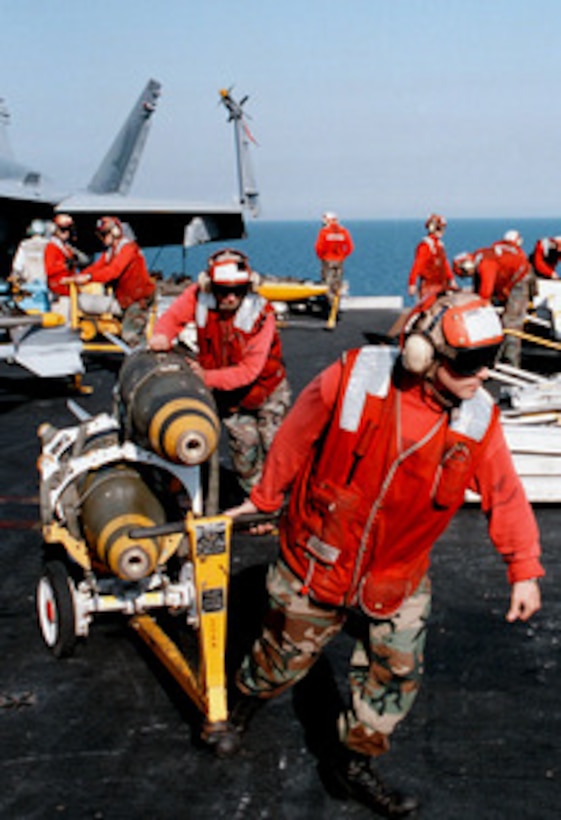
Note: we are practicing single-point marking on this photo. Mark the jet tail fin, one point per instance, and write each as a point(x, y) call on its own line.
point(118, 167)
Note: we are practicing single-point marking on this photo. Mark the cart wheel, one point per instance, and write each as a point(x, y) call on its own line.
point(55, 609)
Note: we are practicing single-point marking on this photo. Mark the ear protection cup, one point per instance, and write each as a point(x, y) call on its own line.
point(417, 354)
point(254, 280)
point(204, 282)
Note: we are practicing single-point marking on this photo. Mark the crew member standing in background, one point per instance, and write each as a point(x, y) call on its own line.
point(61, 263)
point(430, 266)
point(545, 257)
point(240, 356)
point(503, 275)
point(122, 265)
point(376, 456)
point(333, 244)
point(28, 276)
point(28, 264)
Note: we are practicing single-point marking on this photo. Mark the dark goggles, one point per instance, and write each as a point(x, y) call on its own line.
point(470, 362)
point(225, 290)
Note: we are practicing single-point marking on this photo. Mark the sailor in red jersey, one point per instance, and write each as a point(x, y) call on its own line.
point(375, 457)
point(430, 267)
point(61, 263)
point(503, 275)
point(546, 256)
point(122, 265)
point(333, 244)
point(239, 356)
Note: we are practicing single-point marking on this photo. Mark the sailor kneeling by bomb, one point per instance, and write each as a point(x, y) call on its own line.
point(376, 456)
point(239, 356)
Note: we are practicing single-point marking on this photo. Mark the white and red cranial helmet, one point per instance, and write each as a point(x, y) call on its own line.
point(513, 236)
point(229, 267)
point(463, 264)
point(109, 224)
point(459, 327)
point(435, 222)
point(63, 222)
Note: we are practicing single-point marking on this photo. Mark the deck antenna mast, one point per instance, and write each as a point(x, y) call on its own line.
point(248, 194)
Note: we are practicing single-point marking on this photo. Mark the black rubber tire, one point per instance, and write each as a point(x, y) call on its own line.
point(55, 609)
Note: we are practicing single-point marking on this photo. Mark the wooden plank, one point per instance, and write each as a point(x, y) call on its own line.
point(533, 439)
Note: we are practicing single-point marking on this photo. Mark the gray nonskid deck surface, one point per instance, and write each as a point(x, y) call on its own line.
point(106, 734)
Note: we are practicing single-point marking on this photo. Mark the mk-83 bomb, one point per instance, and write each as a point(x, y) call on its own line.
point(116, 501)
point(164, 406)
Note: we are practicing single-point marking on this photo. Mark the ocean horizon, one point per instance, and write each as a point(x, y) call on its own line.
point(383, 255)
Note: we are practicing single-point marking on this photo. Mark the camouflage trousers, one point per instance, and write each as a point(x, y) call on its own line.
point(385, 668)
point(134, 321)
point(332, 275)
point(513, 318)
point(251, 432)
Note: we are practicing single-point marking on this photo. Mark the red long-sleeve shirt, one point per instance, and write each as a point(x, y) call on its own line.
point(334, 243)
point(58, 264)
point(123, 265)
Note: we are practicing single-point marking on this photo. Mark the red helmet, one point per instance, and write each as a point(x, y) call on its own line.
point(229, 267)
point(435, 222)
point(459, 327)
point(109, 224)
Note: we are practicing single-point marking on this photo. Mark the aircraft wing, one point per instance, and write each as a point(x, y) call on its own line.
point(25, 195)
point(154, 222)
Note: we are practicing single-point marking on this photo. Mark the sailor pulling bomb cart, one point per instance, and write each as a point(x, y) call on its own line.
point(127, 506)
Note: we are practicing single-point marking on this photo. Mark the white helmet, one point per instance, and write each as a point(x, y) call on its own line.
point(513, 236)
point(329, 216)
point(37, 228)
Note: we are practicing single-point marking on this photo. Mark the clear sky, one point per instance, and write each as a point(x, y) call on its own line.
point(373, 109)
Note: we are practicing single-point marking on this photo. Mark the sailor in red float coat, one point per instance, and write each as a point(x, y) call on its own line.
point(239, 356)
point(333, 244)
point(376, 456)
point(546, 256)
point(59, 265)
point(244, 362)
point(123, 266)
point(60, 260)
point(430, 265)
point(499, 268)
point(503, 274)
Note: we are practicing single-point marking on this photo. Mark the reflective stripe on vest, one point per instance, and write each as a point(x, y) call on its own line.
point(246, 316)
point(370, 377)
point(473, 416)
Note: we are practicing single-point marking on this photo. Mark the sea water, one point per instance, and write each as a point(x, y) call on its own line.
point(380, 264)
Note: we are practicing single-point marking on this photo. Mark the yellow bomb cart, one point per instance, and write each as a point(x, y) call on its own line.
point(123, 503)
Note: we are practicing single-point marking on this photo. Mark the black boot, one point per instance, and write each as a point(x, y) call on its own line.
point(243, 711)
point(350, 775)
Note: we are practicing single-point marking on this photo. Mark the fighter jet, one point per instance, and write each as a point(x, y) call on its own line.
point(26, 194)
